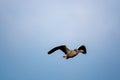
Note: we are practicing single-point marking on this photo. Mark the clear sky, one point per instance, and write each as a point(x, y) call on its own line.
point(30, 28)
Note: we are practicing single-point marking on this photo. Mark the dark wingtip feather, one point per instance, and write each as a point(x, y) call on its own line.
point(49, 52)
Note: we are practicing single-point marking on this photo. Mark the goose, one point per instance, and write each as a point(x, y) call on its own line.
point(69, 53)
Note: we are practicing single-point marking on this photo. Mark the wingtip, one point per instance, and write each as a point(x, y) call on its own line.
point(49, 52)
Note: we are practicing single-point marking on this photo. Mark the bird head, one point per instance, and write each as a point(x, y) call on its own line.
point(82, 49)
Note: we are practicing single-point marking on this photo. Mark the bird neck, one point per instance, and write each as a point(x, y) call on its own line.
point(76, 50)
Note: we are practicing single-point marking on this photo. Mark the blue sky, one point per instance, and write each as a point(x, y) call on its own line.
point(30, 28)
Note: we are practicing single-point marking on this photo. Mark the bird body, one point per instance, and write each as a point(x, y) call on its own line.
point(69, 53)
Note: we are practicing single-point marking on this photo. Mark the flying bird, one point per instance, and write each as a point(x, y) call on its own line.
point(69, 53)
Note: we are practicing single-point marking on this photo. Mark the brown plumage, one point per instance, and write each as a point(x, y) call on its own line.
point(69, 53)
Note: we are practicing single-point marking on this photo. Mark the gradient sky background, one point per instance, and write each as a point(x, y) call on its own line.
point(30, 28)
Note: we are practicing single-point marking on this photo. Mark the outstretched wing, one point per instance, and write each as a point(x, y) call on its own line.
point(62, 48)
